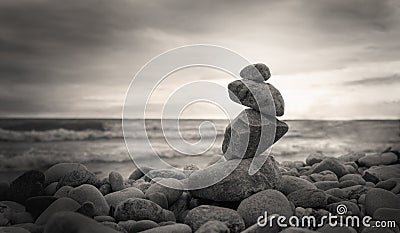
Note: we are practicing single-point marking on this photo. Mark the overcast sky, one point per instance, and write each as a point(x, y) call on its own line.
point(330, 59)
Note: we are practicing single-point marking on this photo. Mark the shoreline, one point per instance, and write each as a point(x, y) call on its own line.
point(118, 197)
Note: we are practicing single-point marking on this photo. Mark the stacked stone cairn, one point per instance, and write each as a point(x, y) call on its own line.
point(242, 137)
point(69, 198)
point(242, 142)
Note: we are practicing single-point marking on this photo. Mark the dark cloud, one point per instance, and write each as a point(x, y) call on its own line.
point(387, 80)
point(54, 54)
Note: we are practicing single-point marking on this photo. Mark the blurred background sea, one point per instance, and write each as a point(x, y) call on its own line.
point(27, 144)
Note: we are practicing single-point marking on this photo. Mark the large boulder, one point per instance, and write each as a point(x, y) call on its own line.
point(27, 185)
point(57, 171)
point(204, 213)
point(270, 201)
point(87, 192)
point(78, 177)
point(239, 184)
point(377, 198)
point(258, 96)
point(254, 130)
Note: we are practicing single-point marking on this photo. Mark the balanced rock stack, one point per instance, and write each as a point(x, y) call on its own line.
point(242, 140)
point(243, 137)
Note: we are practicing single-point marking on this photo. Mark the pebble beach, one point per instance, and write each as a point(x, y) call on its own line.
point(73, 198)
point(70, 198)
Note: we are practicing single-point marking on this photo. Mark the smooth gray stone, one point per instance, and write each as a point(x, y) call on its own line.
point(308, 198)
point(254, 130)
point(291, 184)
point(377, 198)
point(257, 72)
point(139, 209)
point(113, 199)
point(60, 205)
point(239, 184)
point(330, 164)
point(116, 181)
point(259, 96)
point(57, 171)
point(384, 172)
point(272, 201)
point(87, 192)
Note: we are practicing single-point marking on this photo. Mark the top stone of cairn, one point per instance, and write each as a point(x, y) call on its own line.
point(256, 72)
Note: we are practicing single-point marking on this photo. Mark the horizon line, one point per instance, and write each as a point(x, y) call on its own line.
point(112, 118)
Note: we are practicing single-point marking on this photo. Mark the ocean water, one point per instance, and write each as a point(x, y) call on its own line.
point(40, 143)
